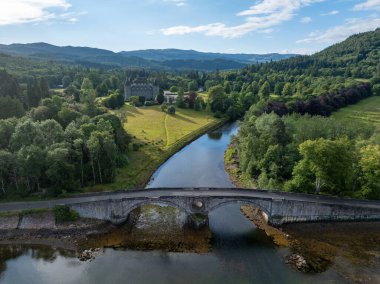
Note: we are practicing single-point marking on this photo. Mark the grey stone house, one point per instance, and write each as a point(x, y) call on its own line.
point(140, 88)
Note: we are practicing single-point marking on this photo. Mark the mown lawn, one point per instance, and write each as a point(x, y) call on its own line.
point(367, 110)
point(58, 90)
point(160, 136)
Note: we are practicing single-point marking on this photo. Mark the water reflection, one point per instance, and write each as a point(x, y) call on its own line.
point(216, 135)
point(200, 164)
point(240, 254)
point(34, 254)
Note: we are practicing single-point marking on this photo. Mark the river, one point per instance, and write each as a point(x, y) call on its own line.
point(199, 164)
point(240, 252)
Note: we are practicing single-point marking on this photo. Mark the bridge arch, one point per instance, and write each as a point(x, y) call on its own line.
point(161, 202)
point(255, 204)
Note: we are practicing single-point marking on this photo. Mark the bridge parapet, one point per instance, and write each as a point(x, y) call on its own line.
point(285, 211)
point(279, 209)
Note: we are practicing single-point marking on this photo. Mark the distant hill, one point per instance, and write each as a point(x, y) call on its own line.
point(178, 54)
point(358, 56)
point(356, 48)
point(170, 59)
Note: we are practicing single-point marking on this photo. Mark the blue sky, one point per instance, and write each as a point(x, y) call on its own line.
point(234, 26)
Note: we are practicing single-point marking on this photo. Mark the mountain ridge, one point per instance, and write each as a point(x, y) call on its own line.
point(175, 59)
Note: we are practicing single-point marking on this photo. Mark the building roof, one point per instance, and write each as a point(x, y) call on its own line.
point(168, 93)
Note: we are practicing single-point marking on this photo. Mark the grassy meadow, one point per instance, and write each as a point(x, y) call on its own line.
point(367, 110)
point(158, 136)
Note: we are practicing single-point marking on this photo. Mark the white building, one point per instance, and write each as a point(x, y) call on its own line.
point(170, 98)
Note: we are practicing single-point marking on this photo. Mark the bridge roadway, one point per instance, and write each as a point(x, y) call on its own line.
point(282, 206)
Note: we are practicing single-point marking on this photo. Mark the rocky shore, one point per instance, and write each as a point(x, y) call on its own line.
point(150, 227)
point(314, 247)
point(42, 228)
point(351, 248)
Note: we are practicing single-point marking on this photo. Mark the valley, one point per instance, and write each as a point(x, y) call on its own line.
point(254, 129)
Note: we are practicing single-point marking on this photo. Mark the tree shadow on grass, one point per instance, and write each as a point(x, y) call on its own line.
point(134, 111)
point(183, 118)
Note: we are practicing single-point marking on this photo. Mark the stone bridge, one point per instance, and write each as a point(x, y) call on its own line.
point(279, 207)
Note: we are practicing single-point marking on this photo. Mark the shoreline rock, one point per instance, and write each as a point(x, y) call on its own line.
point(298, 262)
point(89, 254)
point(255, 215)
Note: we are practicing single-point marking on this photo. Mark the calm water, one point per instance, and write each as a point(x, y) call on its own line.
point(240, 254)
point(200, 164)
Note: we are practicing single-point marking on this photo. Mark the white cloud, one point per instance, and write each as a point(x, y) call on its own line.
point(306, 20)
point(331, 13)
point(368, 5)
point(178, 3)
point(28, 11)
point(339, 33)
point(264, 15)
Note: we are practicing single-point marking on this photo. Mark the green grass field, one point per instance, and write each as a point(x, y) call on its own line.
point(160, 135)
point(367, 110)
point(58, 90)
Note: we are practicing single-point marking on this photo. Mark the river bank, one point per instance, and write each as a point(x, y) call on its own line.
point(231, 165)
point(42, 228)
point(351, 248)
point(152, 152)
point(149, 227)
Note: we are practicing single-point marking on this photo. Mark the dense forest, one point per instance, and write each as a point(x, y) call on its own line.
point(52, 142)
point(287, 141)
point(310, 154)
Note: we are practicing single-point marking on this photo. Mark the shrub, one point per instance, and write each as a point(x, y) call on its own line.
point(122, 161)
point(376, 89)
point(114, 101)
point(164, 107)
point(199, 104)
point(134, 100)
point(171, 110)
point(63, 213)
point(181, 102)
point(160, 98)
point(136, 146)
point(149, 103)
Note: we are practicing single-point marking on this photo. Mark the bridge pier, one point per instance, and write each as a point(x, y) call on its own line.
point(197, 221)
